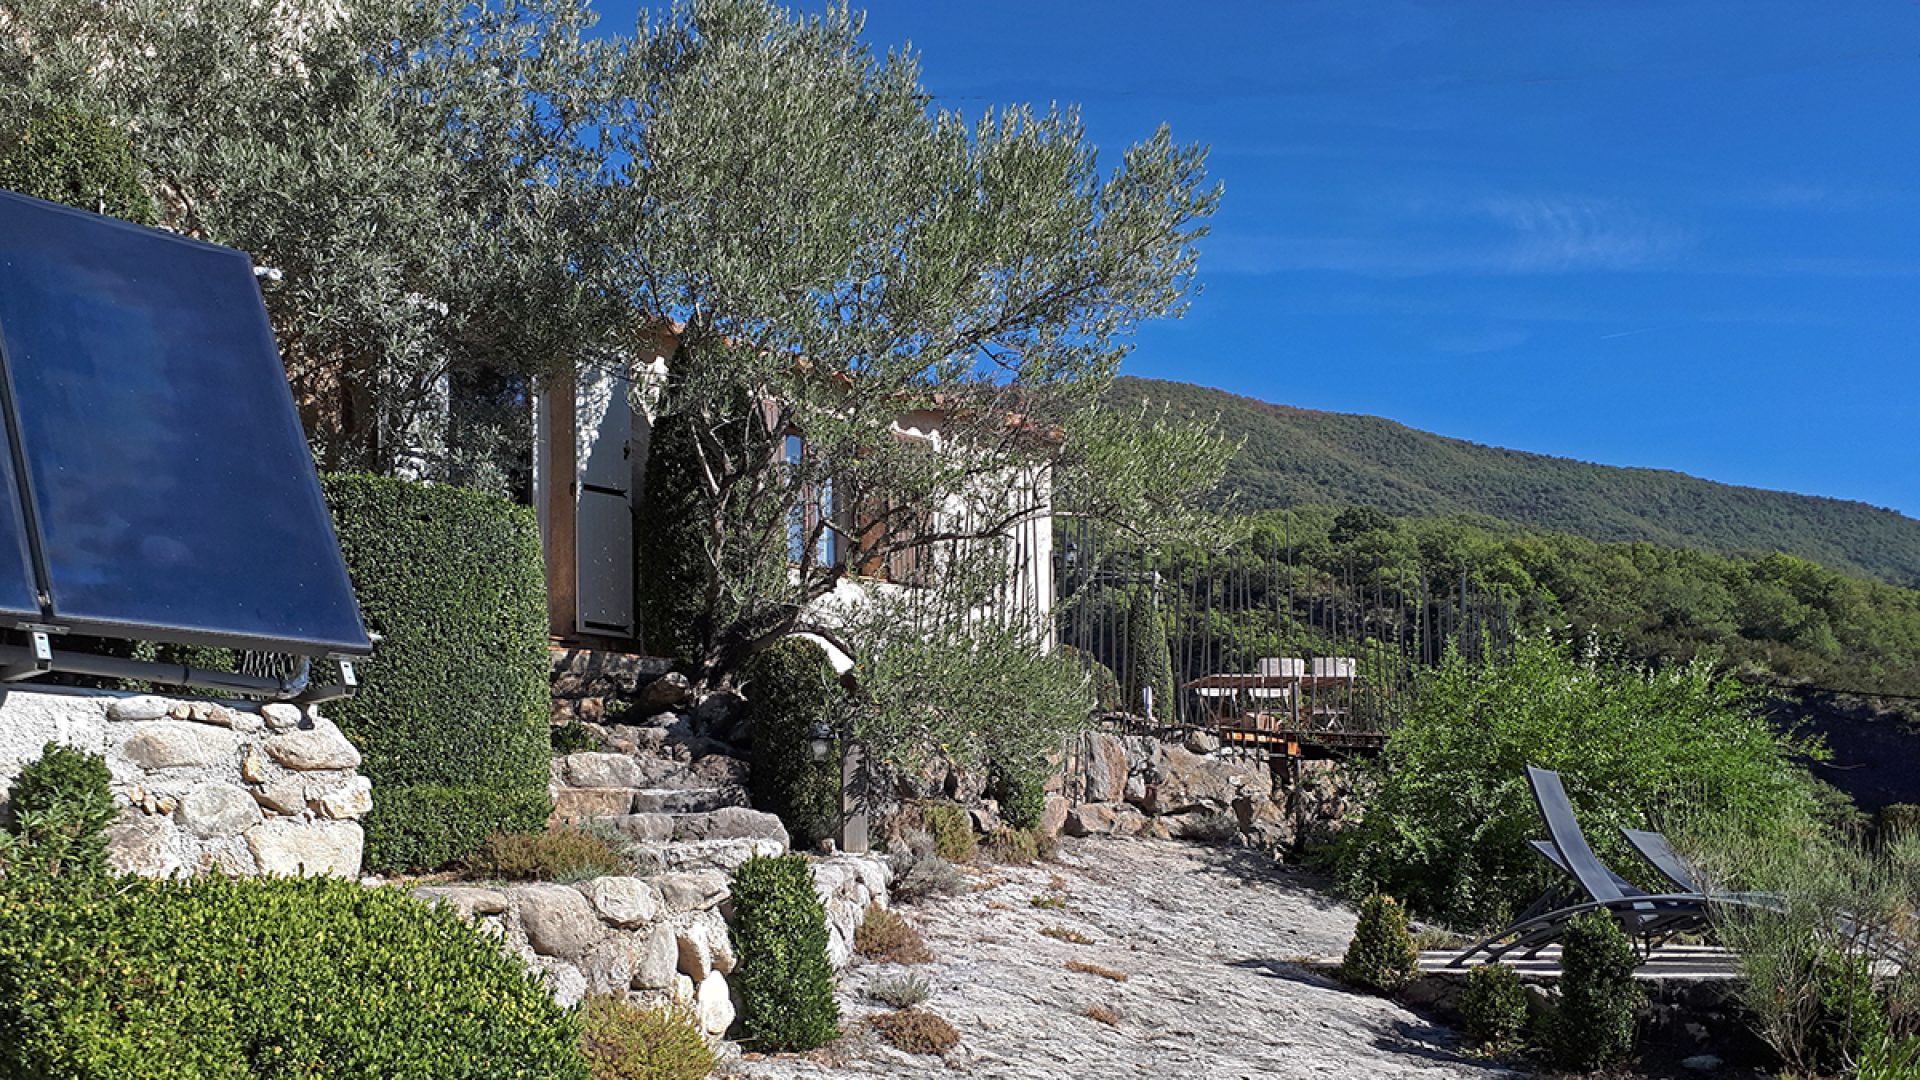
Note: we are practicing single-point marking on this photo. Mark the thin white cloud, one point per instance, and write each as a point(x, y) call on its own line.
point(1505, 235)
point(1559, 234)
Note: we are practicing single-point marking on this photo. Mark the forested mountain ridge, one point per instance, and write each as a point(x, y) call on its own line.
point(1301, 456)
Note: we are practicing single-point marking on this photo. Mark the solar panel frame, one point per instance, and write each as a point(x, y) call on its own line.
point(271, 457)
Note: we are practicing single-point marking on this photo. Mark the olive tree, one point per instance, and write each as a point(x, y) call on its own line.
point(933, 305)
point(421, 176)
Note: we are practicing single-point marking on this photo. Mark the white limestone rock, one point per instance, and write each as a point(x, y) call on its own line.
point(343, 804)
point(284, 847)
point(170, 744)
point(626, 902)
point(218, 809)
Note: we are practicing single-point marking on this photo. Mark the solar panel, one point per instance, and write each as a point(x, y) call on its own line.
point(17, 601)
point(170, 485)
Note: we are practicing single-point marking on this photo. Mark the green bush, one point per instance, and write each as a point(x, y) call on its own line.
point(77, 159)
point(1381, 957)
point(287, 977)
point(61, 805)
point(1494, 1006)
point(562, 854)
point(1448, 826)
point(952, 830)
point(1848, 1015)
point(780, 937)
point(451, 716)
point(1022, 792)
point(571, 737)
point(626, 1042)
point(1017, 847)
point(1593, 1027)
point(791, 688)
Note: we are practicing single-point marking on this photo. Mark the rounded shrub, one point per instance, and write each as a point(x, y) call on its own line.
point(790, 690)
point(451, 716)
point(624, 1041)
point(1493, 1008)
point(285, 977)
point(61, 804)
point(1381, 956)
point(952, 830)
point(783, 974)
point(1022, 792)
point(1594, 1025)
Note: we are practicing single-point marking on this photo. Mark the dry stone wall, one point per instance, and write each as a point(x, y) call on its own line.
point(1139, 785)
point(653, 939)
point(233, 787)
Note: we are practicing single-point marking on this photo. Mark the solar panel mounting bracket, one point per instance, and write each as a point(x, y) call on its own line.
point(37, 660)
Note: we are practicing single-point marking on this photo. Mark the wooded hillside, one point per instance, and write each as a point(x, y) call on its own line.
point(1297, 457)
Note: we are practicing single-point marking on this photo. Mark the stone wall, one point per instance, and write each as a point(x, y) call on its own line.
point(234, 787)
point(653, 939)
point(1140, 785)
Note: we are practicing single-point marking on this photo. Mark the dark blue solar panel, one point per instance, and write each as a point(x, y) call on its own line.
point(175, 496)
point(17, 600)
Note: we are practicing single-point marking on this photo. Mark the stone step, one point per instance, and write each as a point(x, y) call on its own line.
point(599, 770)
point(576, 804)
point(686, 800)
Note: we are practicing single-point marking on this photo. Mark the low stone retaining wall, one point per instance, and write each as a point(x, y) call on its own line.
point(233, 787)
point(653, 939)
point(1140, 785)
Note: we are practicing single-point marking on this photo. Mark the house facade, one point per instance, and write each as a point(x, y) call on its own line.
point(591, 438)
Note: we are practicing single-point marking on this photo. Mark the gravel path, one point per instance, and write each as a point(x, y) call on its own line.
point(1205, 937)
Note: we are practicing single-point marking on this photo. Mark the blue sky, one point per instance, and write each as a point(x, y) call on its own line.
point(1677, 234)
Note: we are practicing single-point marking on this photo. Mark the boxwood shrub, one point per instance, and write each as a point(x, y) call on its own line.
point(790, 688)
point(451, 716)
point(287, 977)
point(784, 976)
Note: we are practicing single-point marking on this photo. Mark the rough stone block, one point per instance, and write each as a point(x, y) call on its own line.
point(557, 919)
point(319, 748)
point(284, 848)
point(467, 900)
point(625, 902)
point(169, 744)
point(218, 809)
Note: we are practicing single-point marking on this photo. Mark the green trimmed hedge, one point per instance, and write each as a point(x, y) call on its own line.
point(784, 976)
point(285, 977)
point(451, 717)
point(791, 687)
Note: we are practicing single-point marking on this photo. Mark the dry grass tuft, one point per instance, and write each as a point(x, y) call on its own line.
point(1061, 933)
point(1104, 1015)
point(1049, 903)
point(886, 938)
point(1085, 968)
point(916, 1031)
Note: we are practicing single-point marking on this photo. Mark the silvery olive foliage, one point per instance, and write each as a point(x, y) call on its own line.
point(422, 177)
point(461, 199)
point(937, 303)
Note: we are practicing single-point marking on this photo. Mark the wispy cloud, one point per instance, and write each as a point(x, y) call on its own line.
point(1503, 235)
point(1476, 342)
point(1557, 234)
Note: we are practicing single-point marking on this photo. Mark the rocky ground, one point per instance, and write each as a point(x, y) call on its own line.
point(1207, 939)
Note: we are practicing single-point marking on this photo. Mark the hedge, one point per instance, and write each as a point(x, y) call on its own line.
point(784, 976)
point(451, 716)
point(284, 977)
point(791, 688)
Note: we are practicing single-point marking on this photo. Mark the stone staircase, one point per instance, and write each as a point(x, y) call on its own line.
point(677, 814)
